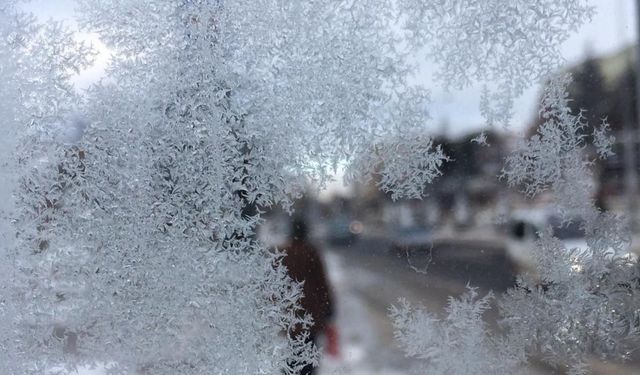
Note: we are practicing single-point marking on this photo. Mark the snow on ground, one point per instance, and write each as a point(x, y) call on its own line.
point(363, 348)
point(363, 290)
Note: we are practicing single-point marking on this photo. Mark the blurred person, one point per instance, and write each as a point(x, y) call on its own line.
point(304, 264)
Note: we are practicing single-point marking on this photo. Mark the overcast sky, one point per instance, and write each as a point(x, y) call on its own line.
point(455, 113)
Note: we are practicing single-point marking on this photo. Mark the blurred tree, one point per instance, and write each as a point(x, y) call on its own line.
point(589, 94)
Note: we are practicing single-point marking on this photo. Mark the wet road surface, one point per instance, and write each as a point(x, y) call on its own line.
point(369, 276)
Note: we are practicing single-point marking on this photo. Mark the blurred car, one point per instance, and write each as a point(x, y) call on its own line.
point(343, 231)
point(408, 239)
point(524, 228)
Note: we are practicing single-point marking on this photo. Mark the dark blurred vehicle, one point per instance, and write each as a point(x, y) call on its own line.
point(343, 231)
point(409, 239)
point(525, 226)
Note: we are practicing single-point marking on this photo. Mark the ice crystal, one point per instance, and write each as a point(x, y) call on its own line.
point(577, 303)
point(402, 174)
point(554, 158)
point(481, 139)
point(137, 243)
point(588, 295)
point(603, 140)
point(458, 344)
point(510, 44)
point(36, 62)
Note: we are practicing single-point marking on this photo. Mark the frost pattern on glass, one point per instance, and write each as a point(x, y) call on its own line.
point(402, 174)
point(459, 343)
point(135, 244)
point(579, 302)
point(326, 77)
point(510, 44)
point(481, 139)
point(136, 241)
point(139, 238)
point(403, 159)
point(554, 158)
point(603, 140)
point(589, 296)
point(36, 98)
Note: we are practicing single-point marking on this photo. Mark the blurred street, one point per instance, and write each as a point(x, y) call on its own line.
point(368, 275)
point(368, 278)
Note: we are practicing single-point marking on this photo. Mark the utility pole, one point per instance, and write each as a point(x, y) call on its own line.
point(631, 137)
point(630, 131)
point(633, 193)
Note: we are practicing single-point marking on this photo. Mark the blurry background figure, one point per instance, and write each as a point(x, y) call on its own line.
point(304, 264)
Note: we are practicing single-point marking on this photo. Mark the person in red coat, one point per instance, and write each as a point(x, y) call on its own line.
point(304, 264)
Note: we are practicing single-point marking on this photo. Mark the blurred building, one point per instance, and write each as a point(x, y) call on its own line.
point(468, 188)
point(604, 88)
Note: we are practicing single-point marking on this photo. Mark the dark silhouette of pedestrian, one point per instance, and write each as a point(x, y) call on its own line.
point(304, 264)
